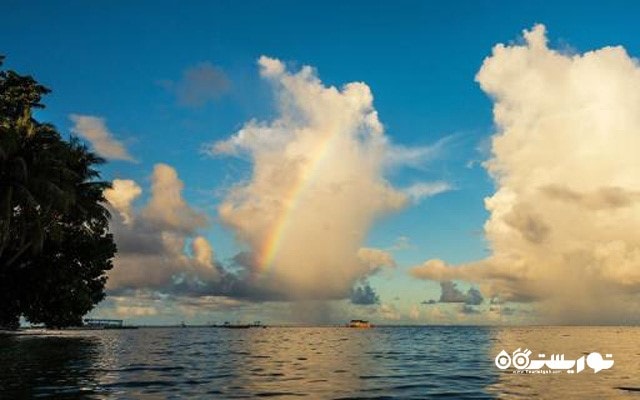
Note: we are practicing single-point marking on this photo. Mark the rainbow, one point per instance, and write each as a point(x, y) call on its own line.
point(273, 241)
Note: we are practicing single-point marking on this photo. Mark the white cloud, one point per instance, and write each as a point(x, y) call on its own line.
point(422, 190)
point(416, 156)
point(135, 311)
point(166, 207)
point(152, 242)
point(203, 252)
point(96, 132)
point(147, 305)
point(376, 258)
point(121, 195)
point(564, 228)
point(317, 184)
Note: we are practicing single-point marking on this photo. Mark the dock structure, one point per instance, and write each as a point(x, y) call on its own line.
point(103, 323)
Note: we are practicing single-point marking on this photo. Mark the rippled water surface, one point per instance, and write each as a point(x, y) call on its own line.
point(317, 363)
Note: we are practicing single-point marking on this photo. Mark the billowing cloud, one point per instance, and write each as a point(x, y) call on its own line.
point(199, 84)
point(451, 294)
point(158, 246)
point(94, 129)
point(202, 252)
point(364, 295)
point(564, 226)
point(474, 297)
point(121, 195)
point(166, 208)
point(376, 258)
point(316, 187)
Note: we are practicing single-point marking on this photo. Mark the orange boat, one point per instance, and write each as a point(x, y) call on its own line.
point(359, 323)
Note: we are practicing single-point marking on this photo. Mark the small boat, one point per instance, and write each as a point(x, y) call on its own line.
point(359, 323)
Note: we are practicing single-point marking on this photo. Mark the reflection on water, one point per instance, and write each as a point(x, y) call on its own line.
point(32, 367)
point(621, 381)
point(421, 362)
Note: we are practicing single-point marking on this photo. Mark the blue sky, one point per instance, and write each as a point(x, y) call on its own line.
point(116, 61)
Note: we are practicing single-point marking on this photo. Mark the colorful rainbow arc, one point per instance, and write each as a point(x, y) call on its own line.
point(271, 245)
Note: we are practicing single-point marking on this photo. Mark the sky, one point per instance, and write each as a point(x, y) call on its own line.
point(403, 162)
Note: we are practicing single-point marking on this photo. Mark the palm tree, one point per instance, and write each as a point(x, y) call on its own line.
point(32, 178)
point(54, 240)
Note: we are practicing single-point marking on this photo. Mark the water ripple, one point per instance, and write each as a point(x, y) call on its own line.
point(337, 363)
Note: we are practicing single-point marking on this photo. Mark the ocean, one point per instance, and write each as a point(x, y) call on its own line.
point(317, 363)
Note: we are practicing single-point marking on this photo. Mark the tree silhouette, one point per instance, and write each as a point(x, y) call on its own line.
point(54, 242)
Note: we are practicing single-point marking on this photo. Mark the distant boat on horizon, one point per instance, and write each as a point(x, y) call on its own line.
point(359, 323)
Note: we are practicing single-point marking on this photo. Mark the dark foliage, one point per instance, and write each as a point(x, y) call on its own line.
point(54, 242)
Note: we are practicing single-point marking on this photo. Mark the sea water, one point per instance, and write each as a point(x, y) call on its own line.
point(316, 363)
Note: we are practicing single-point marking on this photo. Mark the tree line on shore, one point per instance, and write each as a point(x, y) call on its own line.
point(55, 244)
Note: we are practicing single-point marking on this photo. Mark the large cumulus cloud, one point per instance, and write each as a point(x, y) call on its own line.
point(317, 186)
point(564, 225)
